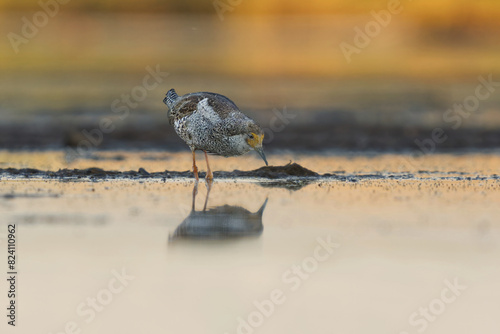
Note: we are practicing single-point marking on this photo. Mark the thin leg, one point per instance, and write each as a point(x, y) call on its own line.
point(195, 169)
point(209, 187)
point(195, 192)
point(209, 176)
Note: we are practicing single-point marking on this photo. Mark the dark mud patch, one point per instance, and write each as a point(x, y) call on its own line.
point(275, 172)
point(292, 176)
point(291, 170)
point(96, 157)
point(14, 196)
point(324, 130)
point(287, 184)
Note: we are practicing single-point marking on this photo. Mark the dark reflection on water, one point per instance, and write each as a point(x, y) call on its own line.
point(221, 222)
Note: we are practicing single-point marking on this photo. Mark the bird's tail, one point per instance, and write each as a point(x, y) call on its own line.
point(171, 98)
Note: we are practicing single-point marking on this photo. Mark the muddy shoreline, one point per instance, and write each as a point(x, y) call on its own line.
point(290, 174)
point(327, 131)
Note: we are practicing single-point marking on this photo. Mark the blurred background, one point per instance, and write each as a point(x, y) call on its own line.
point(66, 66)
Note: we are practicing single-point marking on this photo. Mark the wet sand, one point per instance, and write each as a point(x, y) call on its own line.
point(395, 243)
point(471, 165)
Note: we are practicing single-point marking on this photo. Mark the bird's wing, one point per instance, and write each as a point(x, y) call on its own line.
point(208, 112)
point(234, 124)
point(222, 114)
point(184, 107)
point(216, 109)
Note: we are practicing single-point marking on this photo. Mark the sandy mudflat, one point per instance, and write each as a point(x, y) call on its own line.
point(397, 244)
point(479, 164)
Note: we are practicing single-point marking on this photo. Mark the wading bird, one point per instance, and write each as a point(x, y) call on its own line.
point(213, 124)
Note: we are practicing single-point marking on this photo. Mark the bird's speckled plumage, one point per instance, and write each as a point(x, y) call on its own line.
point(212, 123)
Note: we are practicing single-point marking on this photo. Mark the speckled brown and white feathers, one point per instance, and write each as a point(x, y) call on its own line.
point(210, 122)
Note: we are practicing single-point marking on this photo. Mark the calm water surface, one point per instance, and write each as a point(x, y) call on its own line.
point(377, 256)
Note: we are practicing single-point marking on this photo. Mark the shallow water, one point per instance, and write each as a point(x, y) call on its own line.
point(356, 256)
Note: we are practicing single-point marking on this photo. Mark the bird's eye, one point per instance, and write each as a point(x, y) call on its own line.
point(250, 136)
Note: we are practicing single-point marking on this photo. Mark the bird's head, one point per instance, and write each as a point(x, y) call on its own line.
point(254, 138)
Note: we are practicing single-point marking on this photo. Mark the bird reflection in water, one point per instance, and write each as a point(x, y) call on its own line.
point(221, 222)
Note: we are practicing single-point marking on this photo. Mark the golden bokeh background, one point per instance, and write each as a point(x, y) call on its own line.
point(276, 37)
point(263, 54)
